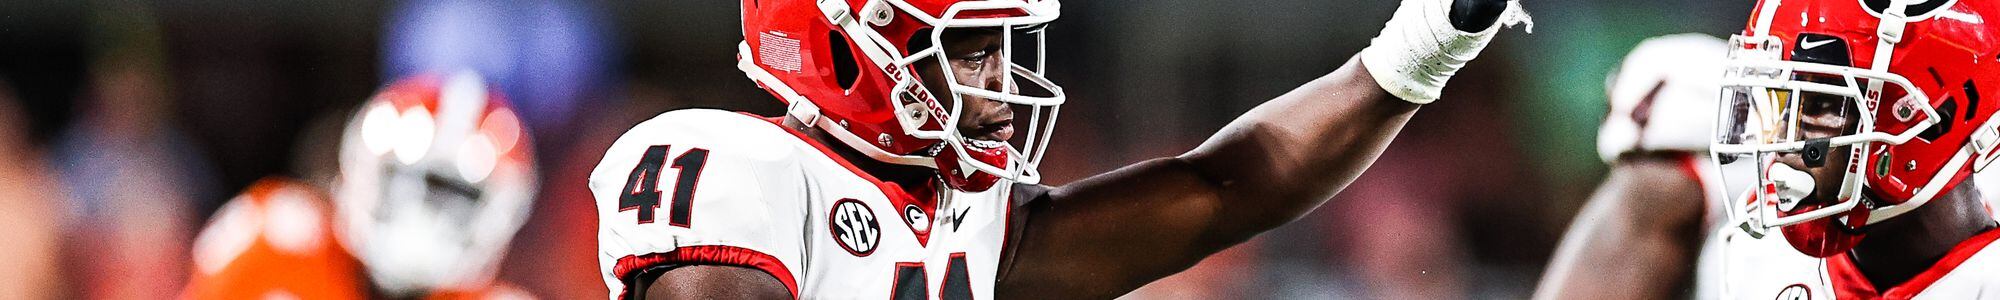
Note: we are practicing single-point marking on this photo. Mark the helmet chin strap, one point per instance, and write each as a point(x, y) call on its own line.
point(1888, 32)
point(802, 109)
point(807, 113)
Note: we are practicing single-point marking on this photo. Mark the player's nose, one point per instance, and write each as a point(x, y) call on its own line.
point(993, 77)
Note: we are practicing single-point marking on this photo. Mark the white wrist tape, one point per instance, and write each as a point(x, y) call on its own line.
point(1419, 50)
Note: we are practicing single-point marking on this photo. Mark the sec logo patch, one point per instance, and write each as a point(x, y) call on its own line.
point(854, 227)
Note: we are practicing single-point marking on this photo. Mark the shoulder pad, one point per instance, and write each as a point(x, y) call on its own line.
point(724, 185)
point(1663, 96)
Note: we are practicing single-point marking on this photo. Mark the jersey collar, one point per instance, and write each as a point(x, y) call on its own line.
point(923, 197)
point(1848, 282)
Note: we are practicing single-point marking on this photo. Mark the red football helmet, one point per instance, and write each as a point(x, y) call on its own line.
point(845, 66)
point(1893, 84)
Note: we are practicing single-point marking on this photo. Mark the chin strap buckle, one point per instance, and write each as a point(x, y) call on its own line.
point(805, 112)
point(1984, 142)
point(835, 11)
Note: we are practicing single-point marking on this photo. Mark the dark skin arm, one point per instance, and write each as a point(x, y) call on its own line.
point(1109, 234)
point(714, 282)
point(1636, 238)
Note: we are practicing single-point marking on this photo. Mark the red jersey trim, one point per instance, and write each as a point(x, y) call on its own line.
point(1848, 281)
point(1691, 166)
point(895, 193)
point(714, 255)
point(779, 122)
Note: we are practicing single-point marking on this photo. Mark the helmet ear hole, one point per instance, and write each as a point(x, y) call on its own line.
point(918, 41)
point(1947, 114)
point(845, 69)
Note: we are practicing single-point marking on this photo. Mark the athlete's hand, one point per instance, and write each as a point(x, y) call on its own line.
point(1429, 40)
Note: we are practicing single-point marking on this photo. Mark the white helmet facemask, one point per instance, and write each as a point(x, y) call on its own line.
point(1023, 85)
point(1773, 109)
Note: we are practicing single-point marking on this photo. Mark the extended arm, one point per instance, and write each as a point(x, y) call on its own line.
point(1636, 238)
point(1109, 234)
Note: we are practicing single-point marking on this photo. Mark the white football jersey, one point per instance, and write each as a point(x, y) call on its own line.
point(711, 187)
point(1768, 268)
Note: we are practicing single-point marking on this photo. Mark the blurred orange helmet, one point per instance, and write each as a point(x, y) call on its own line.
point(436, 175)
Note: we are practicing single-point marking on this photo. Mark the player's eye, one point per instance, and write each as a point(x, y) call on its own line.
point(976, 55)
point(975, 60)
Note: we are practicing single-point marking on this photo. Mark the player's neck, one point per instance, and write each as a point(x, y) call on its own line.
point(906, 176)
point(1900, 248)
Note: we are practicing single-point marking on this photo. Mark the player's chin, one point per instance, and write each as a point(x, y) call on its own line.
point(1825, 236)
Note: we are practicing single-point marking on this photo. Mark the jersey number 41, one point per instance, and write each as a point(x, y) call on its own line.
point(642, 188)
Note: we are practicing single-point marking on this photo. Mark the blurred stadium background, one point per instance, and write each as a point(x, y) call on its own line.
point(124, 124)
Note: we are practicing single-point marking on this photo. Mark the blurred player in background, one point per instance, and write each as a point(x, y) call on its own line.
point(29, 215)
point(1639, 235)
point(130, 174)
point(436, 174)
point(1860, 122)
point(903, 112)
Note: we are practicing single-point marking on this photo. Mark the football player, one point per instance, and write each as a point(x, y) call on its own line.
point(1861, 122)
point(1637, 237)
point(905, 166)
point(435, 176)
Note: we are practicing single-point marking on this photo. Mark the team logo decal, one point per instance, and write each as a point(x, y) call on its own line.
point(918, 220)
point(1916, 10)
point(854, 227)
point(1794, 292)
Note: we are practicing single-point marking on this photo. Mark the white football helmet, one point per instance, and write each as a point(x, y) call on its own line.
point(436, 175)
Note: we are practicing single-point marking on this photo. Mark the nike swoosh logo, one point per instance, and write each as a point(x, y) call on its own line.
point(958, 218)
point(1814, 44)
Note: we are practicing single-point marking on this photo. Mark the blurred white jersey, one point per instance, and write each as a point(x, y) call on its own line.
point(711, 187)
point(1662, 99)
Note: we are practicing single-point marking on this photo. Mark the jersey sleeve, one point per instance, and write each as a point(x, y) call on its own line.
point(699, 187)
